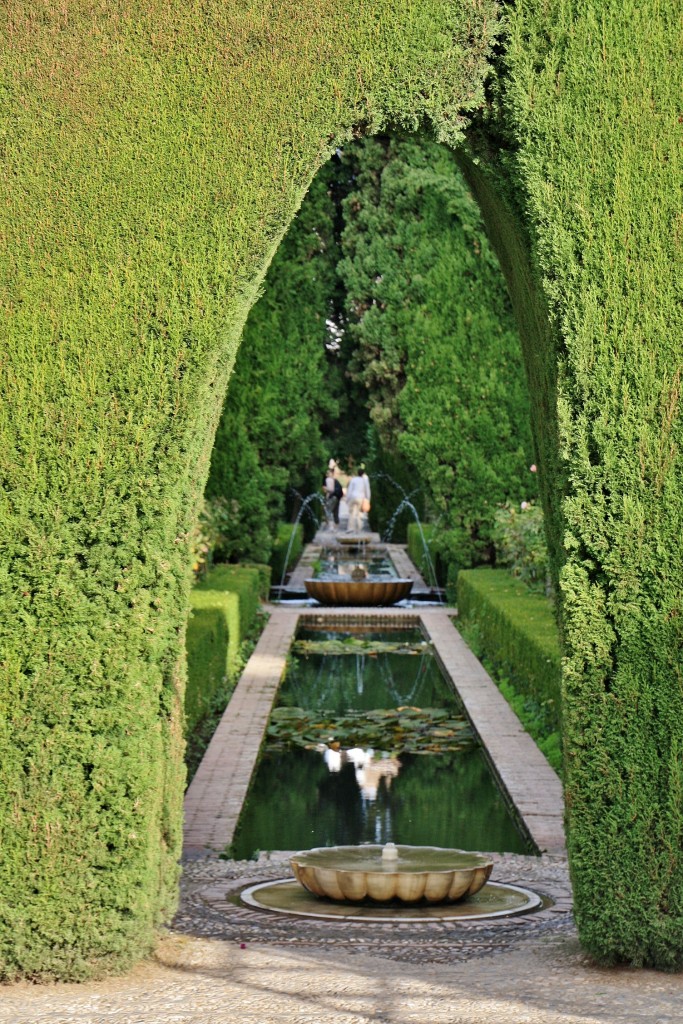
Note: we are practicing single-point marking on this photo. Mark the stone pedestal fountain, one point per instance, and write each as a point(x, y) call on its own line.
point(365, 592)
point(389, 884)
point(407, 874)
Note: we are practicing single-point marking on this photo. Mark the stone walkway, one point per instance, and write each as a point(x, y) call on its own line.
point(224, 963)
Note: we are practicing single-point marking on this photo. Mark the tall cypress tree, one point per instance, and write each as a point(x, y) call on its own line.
point(285, 387)
point(434, 340)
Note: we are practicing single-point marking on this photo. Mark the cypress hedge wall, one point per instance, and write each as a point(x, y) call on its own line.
point(577, 161)
point(223, 608)
point(153, 154)
point(436, 351)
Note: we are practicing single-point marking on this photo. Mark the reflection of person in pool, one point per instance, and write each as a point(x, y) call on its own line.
point(369, 768)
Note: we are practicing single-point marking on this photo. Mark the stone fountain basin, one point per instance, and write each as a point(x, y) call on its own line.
point(360, 592)
point(353, 873)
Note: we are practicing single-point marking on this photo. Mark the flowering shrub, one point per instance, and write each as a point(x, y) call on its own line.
point(519, 538)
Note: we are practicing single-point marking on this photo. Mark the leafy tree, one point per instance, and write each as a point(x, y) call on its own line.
point(434, 340)
point(285, 387)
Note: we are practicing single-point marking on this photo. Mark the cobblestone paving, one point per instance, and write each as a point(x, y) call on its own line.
point(222, 964)
point(210, 907)
point(226, 964)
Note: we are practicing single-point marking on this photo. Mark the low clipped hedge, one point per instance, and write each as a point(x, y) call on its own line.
point(223, 608)
point(417, 541)
point(287, 532)
point(517, 632)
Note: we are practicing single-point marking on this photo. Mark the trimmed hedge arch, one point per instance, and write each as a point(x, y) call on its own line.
point(153, 155)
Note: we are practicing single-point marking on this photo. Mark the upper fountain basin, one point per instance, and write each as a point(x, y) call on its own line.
point(353, 873)
point(383, 591)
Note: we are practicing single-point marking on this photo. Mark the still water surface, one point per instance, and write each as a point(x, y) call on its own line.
point(304, 798)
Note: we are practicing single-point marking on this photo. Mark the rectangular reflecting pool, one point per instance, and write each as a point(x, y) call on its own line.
point(368, 743)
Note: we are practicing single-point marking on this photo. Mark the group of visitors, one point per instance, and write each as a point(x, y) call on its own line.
point(357, 495)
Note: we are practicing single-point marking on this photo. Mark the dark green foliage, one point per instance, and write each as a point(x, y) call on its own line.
point(223, 609)
point(284, 388)
point(287, 548)
point(436, 346)
point(517, 634)
point(392, 479)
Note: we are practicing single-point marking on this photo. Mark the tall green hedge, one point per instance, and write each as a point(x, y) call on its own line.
point(579, 164)
point(153, 155)
point(223, 607)
point(437, 351)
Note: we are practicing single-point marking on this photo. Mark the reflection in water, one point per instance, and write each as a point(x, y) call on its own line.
point(336, 796)
point(364, 682)
point(297, 802)
point(369, 767)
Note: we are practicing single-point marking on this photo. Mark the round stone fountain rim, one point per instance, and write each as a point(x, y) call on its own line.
point(286, 896)
point(377, 580)
point(314, 856)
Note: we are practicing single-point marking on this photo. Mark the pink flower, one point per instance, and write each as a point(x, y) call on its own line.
point(532, 468)
point(525, 504)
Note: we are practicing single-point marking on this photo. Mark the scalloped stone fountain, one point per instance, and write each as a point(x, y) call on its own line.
point(355, 582)
point(407, 874)
point(366, 592)
point(389, 884)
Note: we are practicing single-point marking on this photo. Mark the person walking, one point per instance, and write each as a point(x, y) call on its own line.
point(365, 506)
point(355, 496)
point(333, 495)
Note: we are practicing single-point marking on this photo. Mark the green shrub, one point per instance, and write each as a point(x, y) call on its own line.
point(223, 607)
point(519, 538)
point(517, 633)
point(427, 562)
point(287, 534)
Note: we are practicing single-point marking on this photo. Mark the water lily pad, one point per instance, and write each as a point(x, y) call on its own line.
point(414, 730)
point(359, 645)
point(285, 712)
